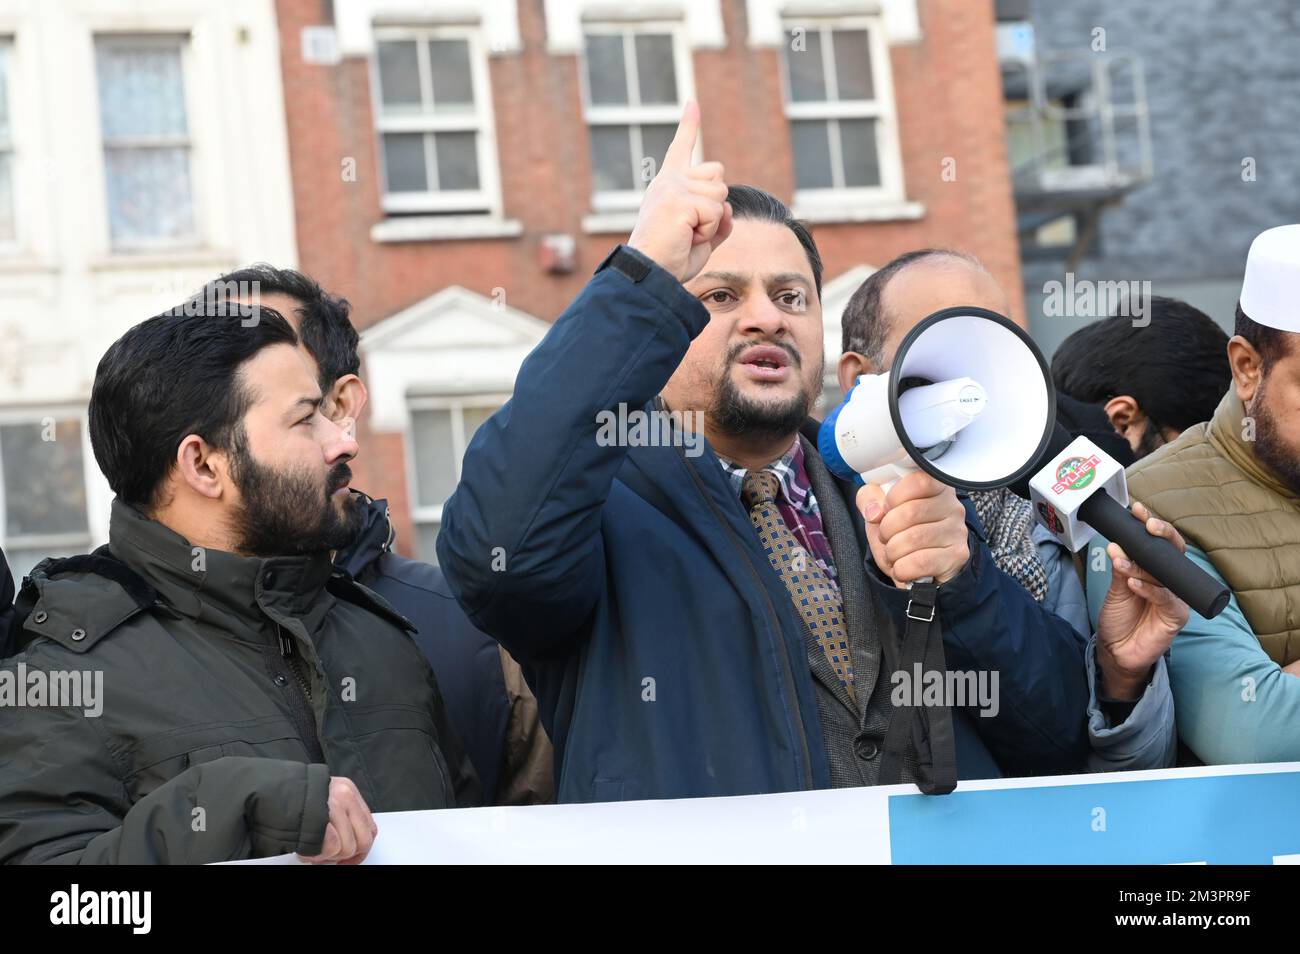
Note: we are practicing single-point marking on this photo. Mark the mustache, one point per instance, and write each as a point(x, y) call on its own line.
point(340, 474)
point(738, 349)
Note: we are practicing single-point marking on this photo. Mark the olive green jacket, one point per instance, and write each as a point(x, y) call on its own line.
point(232, 688)
point(1234, 509)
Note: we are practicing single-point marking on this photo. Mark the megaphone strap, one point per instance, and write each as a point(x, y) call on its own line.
point(925, 731)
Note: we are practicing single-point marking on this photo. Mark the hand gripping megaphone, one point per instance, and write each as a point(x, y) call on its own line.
point(968, 399)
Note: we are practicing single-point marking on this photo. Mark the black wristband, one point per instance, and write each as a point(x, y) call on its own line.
point(628, 261)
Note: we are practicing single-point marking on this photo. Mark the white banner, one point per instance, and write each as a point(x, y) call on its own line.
point(1221, 814)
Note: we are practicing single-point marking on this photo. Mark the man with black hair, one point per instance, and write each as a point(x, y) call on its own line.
point(488, 701)
point(1231, 486)
point(258, 700)
point(714, 615)
point(1152, 381)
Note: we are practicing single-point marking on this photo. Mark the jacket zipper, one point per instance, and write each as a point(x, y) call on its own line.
point(771, 611)
point(300, 698)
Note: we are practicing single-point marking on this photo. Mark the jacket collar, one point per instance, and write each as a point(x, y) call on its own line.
point(232, 592)
point(375, 539)
point(1225, 433)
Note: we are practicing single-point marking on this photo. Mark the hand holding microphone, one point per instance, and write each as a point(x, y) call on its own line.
point(1079, 491)
point(1138, 619)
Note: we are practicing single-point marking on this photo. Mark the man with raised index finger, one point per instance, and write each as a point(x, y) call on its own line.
point(715, 623)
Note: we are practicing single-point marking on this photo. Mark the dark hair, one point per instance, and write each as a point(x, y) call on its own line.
point(1272, 344)
point(323, 323)
point(865, 326)
point(169, 376)
point(748, 202)
point(1175, 366)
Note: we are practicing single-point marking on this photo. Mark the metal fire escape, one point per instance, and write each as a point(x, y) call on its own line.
point(1078, 133)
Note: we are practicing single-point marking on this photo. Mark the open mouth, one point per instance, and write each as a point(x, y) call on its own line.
point(765, 362)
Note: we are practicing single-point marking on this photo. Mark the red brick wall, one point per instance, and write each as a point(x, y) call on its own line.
point(949, 101)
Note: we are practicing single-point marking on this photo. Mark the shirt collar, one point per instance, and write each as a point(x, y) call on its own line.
point(790, 470)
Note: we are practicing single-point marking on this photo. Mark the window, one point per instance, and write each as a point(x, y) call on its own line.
point(441, 429)
point(43, 482)
point(145, 129)
point(840, 111)
point(7, 229)
point(635, 82)
point(434, 121)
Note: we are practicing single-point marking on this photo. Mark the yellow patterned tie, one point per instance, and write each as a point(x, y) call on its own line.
point(817, 601)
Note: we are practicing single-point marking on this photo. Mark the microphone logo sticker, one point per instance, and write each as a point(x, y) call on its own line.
point(1075, 473)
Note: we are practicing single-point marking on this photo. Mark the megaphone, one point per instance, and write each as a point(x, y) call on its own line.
point(969, 399)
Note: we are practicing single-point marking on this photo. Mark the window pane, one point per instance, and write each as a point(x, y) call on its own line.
point(654, 143)
point(148, 193)
point(654, 67)
point(457, 160)
point(606, 70)
point(404, 162)
point(473, 418)
point(861, 158)
point(45, 485)
point(435, 456)
point(6, 199)
point(812, 154)
point(453, 84)
point(803, 54)
point(141, 91)
point(852, 64)
point(399, 76)
point(611, 158)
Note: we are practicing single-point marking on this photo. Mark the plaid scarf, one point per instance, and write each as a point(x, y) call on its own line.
point(1009, 522)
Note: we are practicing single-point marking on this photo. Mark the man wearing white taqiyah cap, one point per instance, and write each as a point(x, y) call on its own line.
point(1232, 488)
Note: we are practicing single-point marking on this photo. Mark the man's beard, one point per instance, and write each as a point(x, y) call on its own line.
point(284, 512)
point(1270, 449)
point(737, 414)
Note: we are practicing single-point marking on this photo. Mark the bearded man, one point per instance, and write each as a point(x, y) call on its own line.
point(256, 701)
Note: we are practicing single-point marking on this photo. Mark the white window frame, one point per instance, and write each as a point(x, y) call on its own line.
point(882, 109)
point(8, 46)
point(53, 541)
point(456, 403)
point(624, 200)
point(486, 200)
point(167, 39)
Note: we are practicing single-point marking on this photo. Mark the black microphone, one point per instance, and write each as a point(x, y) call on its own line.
point(1115, 522)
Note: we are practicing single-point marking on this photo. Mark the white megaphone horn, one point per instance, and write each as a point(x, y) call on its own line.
point(969, 399)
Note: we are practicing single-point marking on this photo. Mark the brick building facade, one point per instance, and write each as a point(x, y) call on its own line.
point(459, 168)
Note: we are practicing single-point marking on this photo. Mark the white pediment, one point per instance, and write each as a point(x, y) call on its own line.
point(453, 342)
point(453, 318)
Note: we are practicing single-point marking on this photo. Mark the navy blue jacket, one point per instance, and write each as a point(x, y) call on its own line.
point(664, 650)
point(466, 662)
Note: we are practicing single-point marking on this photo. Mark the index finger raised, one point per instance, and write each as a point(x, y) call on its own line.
point(682, 147)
